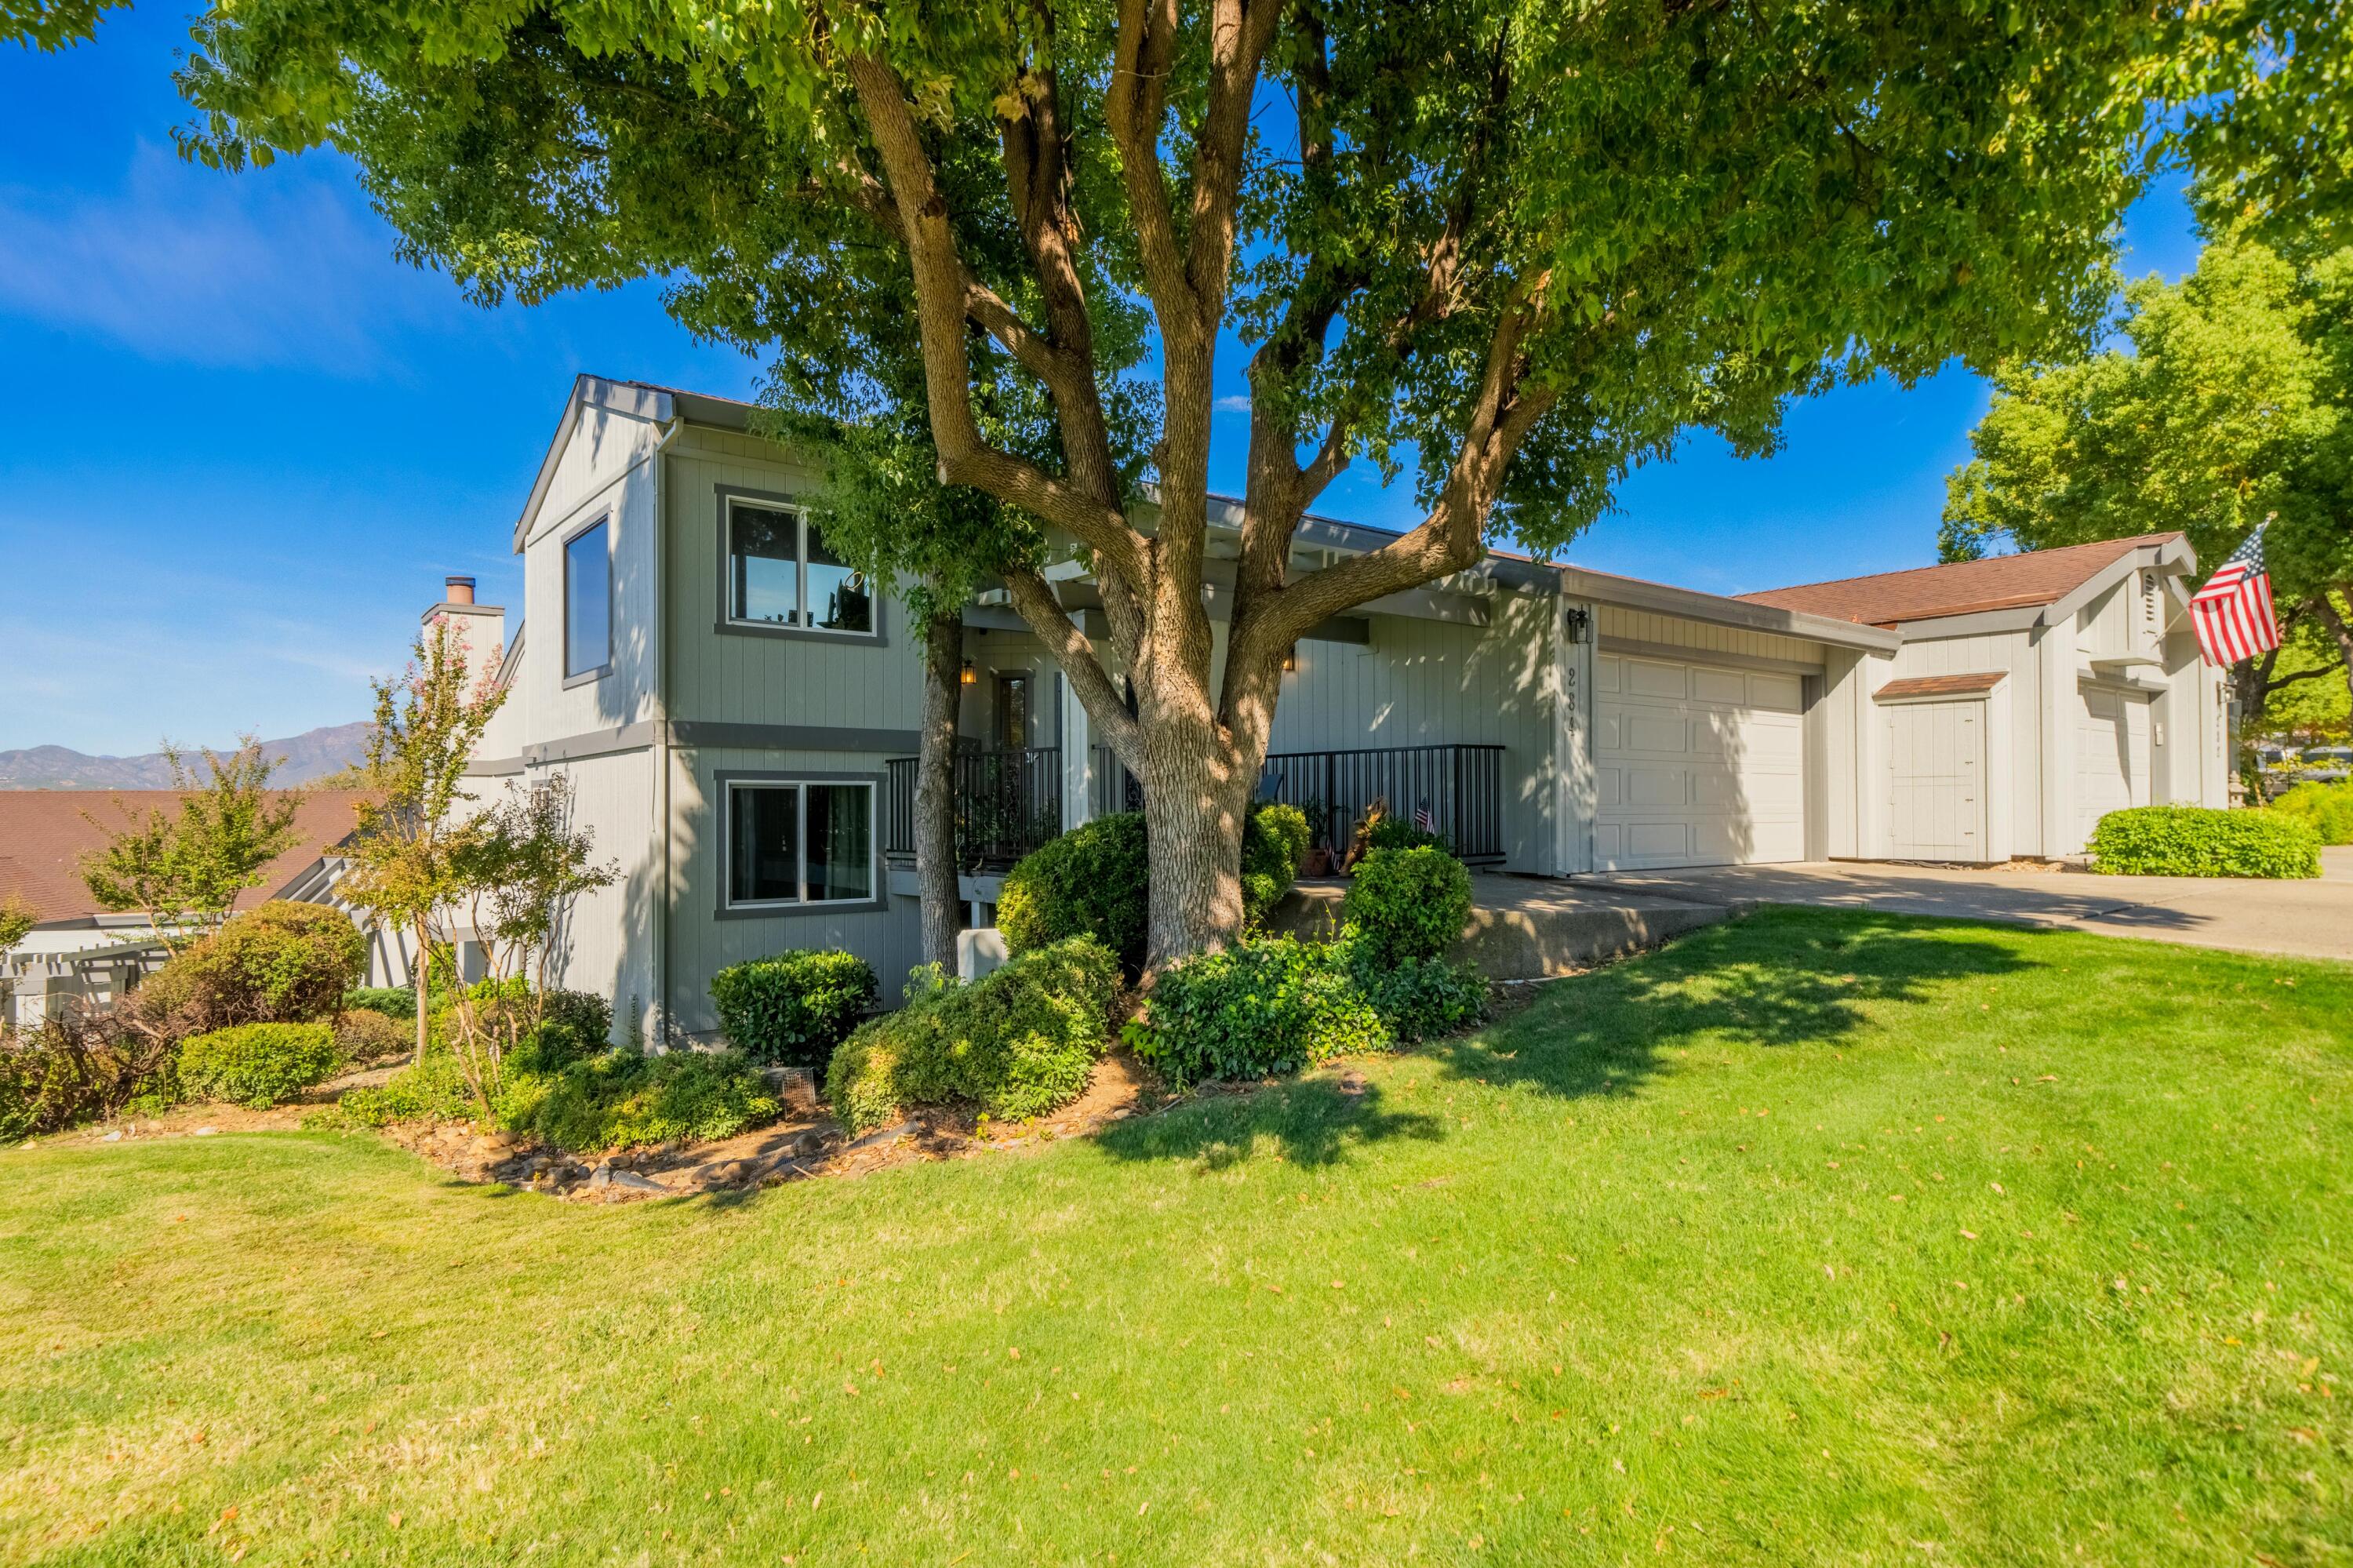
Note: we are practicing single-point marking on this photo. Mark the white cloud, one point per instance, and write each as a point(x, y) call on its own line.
point(268, 268)
point(1238, 404)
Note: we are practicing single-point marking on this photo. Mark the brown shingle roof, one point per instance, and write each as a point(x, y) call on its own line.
point(1963, 587)
point(1940, 685)
point(44, 835)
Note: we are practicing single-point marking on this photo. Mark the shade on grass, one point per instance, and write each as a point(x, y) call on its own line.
point(1816, 1237)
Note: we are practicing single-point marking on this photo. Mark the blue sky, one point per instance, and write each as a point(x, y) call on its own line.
point(245, 445)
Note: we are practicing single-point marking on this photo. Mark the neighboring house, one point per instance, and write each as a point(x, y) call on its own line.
point(80, 950)
point(737, 710)
point(2032, 696)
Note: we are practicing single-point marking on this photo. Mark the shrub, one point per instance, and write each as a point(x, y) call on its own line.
point(1268, 1004)
point(1408, 903)
point(1274, 840)
point(796, 1007)
point(397, 1002)
point(257, 1064)
point(2328, 808)
point(1399, 833)
point(1016, 1043)
point(280, 963)
point(1419, 999)
point(573, 1025)
point(81, 1067)
point(1090, 881)
point(622, 1099)
point(2198, 841)
point(365, 1037)
point(433, 1090)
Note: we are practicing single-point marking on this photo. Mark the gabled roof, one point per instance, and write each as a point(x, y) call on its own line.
point(46, 834)
point(1963, 588)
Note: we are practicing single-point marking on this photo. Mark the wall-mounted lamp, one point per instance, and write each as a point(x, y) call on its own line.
point(1579, 618)
point(971, 677)
point(1291, 660)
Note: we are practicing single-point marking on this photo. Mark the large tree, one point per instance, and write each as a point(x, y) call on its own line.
point(2231, 403)
point(1517, 246)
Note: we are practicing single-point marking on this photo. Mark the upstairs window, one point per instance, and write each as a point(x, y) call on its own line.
point(587, 602)
point(779, 573)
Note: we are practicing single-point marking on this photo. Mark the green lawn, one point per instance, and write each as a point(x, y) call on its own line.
point(1815, 1238)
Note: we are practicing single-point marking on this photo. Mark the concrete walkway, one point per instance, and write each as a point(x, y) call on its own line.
point(2311, 919)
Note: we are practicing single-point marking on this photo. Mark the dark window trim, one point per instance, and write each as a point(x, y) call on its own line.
point(612, 598)
point(723, 780)
point(728, 626)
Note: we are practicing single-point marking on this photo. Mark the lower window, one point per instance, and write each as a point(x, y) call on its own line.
point(799, 842)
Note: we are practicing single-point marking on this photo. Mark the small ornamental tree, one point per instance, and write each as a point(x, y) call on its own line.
point(183, 870)
point(428, 721)
point(17, 918)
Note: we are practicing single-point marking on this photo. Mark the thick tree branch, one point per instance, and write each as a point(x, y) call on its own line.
point(943, 300)
point(1142, 56)
point(1074, 653)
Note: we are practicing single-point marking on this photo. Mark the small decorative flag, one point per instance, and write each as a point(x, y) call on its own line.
point(1422, 821)
point(2232, 613)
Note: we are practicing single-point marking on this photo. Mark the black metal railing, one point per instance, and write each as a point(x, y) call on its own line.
point(1008, 803)
point(1458, 788)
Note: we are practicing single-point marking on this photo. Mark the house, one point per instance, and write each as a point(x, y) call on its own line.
point(78, 948)
point(736, 709)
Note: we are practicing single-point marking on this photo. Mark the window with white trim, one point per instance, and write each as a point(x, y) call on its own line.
point(790, 842)
point(780, 572)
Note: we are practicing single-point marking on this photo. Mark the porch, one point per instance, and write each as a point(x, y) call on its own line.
point(1011, 801)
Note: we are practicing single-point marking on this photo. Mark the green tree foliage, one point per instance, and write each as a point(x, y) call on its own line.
point(1522, 248)
point(18, 918)
point(186, 868)
point(2233, 403)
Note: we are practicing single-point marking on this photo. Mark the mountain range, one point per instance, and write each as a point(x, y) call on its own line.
point(313, 754)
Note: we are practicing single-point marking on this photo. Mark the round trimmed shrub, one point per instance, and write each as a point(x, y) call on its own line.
point(1018, 1042)
point(2329, 808)
point(364, 1036)
point(1265, 1005)
point(280, 962)
point(1408, 903)
point(2200, 841)
point(793, 1009)
point(257, 1064)
point(1090, 881)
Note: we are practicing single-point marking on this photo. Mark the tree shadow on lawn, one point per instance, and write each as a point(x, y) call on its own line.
point(1780, 977)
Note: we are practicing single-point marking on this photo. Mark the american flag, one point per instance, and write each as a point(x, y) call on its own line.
point(1422, 821)
point(2232, 613)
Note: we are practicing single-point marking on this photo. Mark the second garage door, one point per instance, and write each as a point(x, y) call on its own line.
point(1696, 765)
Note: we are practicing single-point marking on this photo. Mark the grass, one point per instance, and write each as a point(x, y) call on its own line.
point(1818, 1236)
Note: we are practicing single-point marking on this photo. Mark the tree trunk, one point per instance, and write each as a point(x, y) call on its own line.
point(935, 847)
point(1196, 799)
point(420, 970)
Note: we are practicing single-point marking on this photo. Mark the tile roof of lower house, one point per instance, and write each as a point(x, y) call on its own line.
point(1961, 587)
point(1940, 685)
point(45, 834)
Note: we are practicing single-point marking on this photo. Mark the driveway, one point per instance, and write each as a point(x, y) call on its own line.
point(2312, 919)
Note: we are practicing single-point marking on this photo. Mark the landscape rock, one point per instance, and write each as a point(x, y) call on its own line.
point(629, 1181)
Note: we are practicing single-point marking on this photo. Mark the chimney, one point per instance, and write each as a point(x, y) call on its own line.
point(461, 590)
point(480, 628)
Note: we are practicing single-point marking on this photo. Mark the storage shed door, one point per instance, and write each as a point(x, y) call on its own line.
point(2111, 754)
point(1936, 800)
point(1696, 765)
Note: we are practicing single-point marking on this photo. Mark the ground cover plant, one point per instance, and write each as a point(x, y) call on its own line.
point(2198, 841)
point(1818, 1236)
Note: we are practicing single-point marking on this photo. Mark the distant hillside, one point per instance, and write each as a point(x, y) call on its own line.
point(313, 754)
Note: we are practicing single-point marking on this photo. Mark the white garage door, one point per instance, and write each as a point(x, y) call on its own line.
point(1696, 765)
point(2111, 754)
point(1936, 765)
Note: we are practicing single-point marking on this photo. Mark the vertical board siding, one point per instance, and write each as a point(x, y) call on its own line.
point(702, 942)
point(604, 470)
point(750, 679)
point(1426, 683)
point(2016, 654)
point(605, 945)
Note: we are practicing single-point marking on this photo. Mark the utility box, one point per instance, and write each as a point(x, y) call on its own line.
point(978, 951)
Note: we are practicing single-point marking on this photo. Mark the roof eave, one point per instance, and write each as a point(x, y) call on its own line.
point(628, 397)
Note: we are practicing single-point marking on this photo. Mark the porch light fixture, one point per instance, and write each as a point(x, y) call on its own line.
point(1291, 660)
point(971, 677)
